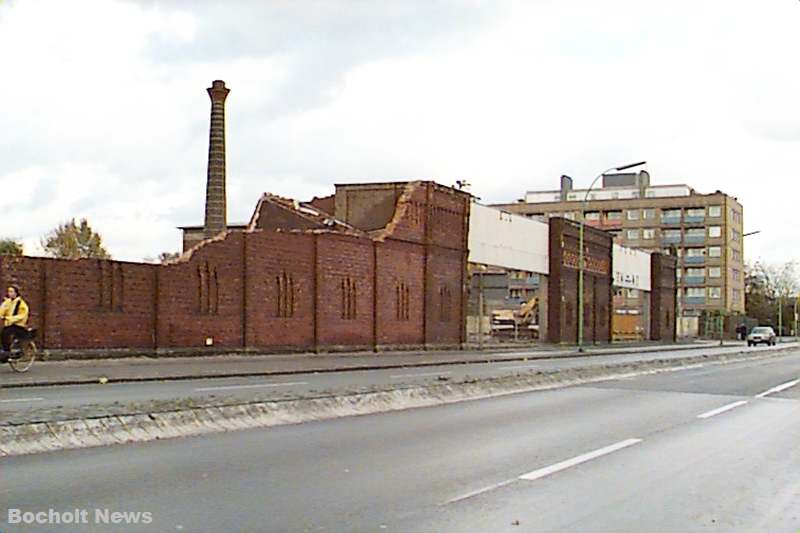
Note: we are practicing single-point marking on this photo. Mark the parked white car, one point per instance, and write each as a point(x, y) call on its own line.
point(762, 335)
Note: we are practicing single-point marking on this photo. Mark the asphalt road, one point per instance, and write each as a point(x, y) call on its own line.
point(30, 398)
point(705, 449)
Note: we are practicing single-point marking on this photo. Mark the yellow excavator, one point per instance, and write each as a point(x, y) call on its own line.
point(522, 320)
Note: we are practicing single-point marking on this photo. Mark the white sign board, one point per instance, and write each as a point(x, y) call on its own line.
point(631, 268)
point(501, 239)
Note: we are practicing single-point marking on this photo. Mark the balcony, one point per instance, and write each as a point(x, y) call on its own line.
point(695, 239)
point(670, 239)
point(694, 280)
point(694, 219)
point(694, 260)
point(671, 221)
point(695, 300)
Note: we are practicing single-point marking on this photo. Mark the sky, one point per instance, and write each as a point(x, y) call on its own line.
point(105, 115)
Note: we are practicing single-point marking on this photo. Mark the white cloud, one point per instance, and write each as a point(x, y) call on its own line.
point(108, 115)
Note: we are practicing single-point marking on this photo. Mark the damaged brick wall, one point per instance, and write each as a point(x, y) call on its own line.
point(293, 289)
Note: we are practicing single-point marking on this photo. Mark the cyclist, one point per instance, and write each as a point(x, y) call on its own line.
point(14, 313)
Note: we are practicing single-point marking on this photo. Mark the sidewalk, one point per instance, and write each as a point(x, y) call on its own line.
point(73, 372)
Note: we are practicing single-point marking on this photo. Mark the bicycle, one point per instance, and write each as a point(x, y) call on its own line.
point(25, 348)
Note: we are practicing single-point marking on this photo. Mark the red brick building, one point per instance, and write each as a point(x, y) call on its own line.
point(296, 278)
point(372, 267)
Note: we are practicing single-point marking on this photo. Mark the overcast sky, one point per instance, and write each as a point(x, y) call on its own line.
point(105, 115)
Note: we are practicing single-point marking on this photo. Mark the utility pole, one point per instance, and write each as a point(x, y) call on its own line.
point(780, 317)
point(480, 310)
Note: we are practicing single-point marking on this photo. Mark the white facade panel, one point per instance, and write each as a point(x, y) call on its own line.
point(510, 241)
point(631, 268)
point(668, 192)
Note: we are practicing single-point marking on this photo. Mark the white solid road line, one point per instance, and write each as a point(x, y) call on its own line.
point(569, 463)
point(262, 385)
point(427, 374)
point(715, 412)
point(22, 400)
point(480, 491)
point(779, 388)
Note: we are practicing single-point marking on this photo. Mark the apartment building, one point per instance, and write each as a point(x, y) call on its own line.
point(703, 230)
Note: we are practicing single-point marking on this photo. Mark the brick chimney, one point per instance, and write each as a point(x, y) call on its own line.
point(216, 203)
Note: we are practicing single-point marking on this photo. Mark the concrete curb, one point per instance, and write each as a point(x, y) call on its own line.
point(44, 436)
point(492, 357)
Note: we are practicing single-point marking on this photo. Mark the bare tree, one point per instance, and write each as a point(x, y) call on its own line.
point(770, 289)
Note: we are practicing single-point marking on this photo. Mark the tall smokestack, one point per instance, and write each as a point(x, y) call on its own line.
point(216, 210)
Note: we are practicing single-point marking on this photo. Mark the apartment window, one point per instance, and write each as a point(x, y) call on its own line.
point(648, 234)
point(634, 214)
point(695, 252)
point(592, 216)
point(714, 272)
point(671, 213)
point(714, 251)
point(695, 272)
point(695, 292)
point(715, 211)
point(632, 235)
point(695, 212)
point(714, 231)
point(715, 293)
point(672, 233)
point(736, 255)
point(696, 233)
point(737, 274)
point(735, 235)
point(614, 215)
point(679, 273)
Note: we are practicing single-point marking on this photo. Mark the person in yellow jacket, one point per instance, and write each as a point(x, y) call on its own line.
point(14, 314)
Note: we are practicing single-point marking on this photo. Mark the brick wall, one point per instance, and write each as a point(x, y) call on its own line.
point(280, 290)
point(202, 298)
point(400, 288)
point(276, 289)
point(86, 303)
point(563, 284)
point(663, 304)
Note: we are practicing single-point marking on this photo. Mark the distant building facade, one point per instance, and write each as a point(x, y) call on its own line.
point(705, 232)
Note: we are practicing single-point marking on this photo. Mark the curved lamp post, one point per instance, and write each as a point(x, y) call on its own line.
point(581, 260)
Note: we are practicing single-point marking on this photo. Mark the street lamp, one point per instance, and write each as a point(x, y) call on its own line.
point(581, 259)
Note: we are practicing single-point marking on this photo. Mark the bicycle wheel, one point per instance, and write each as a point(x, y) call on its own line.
point(26, 358)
